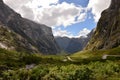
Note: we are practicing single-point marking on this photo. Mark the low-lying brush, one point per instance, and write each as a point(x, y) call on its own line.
point(87, 65)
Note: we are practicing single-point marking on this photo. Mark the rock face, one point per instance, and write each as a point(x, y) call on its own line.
point(72, 45)
point(76, 44)
point(11, 41)
point(38, 35)
point(107, 33)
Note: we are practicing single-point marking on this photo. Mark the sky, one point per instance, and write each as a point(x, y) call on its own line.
point(67, 18)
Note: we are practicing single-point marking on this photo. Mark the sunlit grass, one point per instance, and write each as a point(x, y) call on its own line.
point(95, 54)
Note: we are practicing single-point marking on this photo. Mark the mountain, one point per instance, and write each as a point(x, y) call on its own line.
point(11, 41)
point(107, 33)
point(37, 35)
point(72, 45)
point(76, 44)
point(63, 42)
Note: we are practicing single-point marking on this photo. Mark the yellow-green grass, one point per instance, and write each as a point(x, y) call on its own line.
point(51, 67)
point(94, 55)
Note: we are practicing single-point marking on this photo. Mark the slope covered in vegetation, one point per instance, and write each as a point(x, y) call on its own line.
point(84, 67)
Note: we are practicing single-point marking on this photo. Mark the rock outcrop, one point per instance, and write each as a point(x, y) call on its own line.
point(107, 33)
point(38, 35)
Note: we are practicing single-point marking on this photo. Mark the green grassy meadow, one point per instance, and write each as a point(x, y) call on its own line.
point(86, 65)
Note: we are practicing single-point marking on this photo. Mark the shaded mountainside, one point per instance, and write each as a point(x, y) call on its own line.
point(38, 35)
point(107, 33)
point(11, 41)
point(63, 42)
point(72, 45)
point(76, 44)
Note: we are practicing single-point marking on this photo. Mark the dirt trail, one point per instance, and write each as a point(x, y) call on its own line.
point(105, 56)
point(69, 58)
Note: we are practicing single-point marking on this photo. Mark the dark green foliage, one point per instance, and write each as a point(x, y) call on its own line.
point(29, 59)
point(51, 67)
point(82, 74)
point(93, 71)
point(38, 73)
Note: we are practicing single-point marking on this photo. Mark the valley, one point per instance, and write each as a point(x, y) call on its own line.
point(29, 51)
point(84, 65)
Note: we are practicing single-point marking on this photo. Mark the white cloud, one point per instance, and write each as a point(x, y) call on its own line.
point(62, 33)
point(82, 17)
point(52, 15)
point(65, 33)
point(41, 3)
point(84, 32)
point(97, 7)
point(61, 14)
point(16, 4)
point(27, 12)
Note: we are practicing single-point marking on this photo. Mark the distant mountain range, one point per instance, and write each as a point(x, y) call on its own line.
point(23, 35)
point(72, 45)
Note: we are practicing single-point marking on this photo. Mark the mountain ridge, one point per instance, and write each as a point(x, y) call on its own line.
point(38, 35)
point(107, 33)
point(72, 45)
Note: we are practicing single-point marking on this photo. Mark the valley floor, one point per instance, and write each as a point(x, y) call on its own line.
point(85, 65)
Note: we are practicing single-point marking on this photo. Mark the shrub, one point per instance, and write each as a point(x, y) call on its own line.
point(82, 74)
point(38, 73)
point(29, 59)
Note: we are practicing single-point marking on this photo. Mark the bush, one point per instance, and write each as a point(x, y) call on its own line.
point(38, 73)
point(82, 74)
point(29, 59)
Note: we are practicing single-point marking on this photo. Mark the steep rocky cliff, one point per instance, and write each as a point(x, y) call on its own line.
point(38, 35)
point(107, 33)
point(11, 41)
